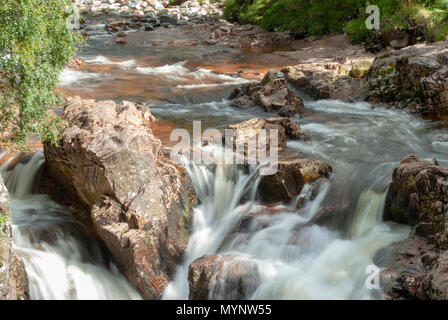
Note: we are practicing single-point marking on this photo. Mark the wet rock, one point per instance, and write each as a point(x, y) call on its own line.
point(331, 80)
point(116, 24)
point(222, 277)
point(249, 129)
point(414, 78)
point(272, 94)
point(290, 177)
point(13, 277)
point(139, 201)
point(168, 19)
point(418, 196)
point(120, 41)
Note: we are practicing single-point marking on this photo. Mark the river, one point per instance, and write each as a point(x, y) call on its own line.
point(293, 258)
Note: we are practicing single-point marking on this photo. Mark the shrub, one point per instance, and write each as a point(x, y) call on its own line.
point(35, 45)
point(316, 17)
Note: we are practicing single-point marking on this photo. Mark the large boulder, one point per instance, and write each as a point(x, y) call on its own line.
point(331, 80)
point(272, 94)
point(415, 78)
point(222, 277)
point(13, 277)
point(291, 175)
point(418, 196)
point(140, 202)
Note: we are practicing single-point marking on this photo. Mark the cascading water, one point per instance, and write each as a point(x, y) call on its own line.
point(61, 260)
point(296, 259)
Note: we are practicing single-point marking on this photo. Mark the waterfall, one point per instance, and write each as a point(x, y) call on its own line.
point(220, 190)
point(294, 258)
point(62, 261)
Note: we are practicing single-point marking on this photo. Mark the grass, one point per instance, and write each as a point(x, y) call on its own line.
point(427, 19)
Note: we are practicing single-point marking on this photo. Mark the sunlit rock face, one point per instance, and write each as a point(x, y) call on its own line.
point(140, 202)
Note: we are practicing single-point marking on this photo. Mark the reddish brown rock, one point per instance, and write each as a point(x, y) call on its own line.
point(418, 196)
point(140, 202)
point(272, 94)
point(222, 277)
point(290, 178)
point(13, 277)
point(286, 128)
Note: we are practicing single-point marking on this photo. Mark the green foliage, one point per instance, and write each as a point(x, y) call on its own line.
point(317, 17)
point(35, 45)
point(4, 219)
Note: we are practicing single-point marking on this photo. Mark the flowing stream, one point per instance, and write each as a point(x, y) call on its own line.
point(293, 257)
point(61, 260)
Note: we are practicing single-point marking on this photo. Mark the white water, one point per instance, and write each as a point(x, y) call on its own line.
point(296, 260)
point(62, 262)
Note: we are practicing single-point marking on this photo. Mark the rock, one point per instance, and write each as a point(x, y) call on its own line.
point(149, 27)
point(287, 128)
point(168, 19)
point(291, 176)
point(120, 41)
point(126, 14)
point(140, 202)
point(418, 196)
point(401, 41)
point(116, 24)
point(272, 94)
point(13, 277)
point(331, 80)
point(182, 22)
point(414, 78)
point(222, 277)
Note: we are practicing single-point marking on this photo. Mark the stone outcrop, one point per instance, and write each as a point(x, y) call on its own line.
point(418, 196)
point(140, 202)
point(339, 79)
point(222, 277)
point(272, 94)
point(414, 78)
point(292, 174)
point(13, 277)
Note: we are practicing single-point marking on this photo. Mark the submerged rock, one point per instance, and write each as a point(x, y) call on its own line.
point(418, 196)
point(272, 94)
point(13, 277)
point(139, 201)
point(414, 78)
point(222, 277)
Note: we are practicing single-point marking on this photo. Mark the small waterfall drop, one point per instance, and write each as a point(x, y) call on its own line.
point(62, 261)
